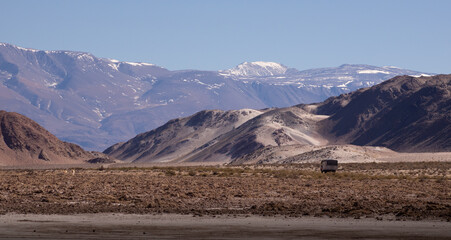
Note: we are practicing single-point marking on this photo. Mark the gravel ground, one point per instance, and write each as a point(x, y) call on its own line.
point(408, 191)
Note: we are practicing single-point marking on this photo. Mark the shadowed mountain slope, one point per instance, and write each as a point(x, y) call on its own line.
point(404, 113)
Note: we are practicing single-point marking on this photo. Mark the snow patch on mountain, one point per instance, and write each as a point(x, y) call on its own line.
point(344, 84)
point(139, 64)
point(256, 69)
point(372, 72)
point(421, 75)
point(80, 56)
point(113, 66)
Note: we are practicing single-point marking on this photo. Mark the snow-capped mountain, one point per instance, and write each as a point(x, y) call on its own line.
point(96, 102)
point(256, 69)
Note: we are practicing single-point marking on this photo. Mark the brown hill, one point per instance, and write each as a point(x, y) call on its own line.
point(405, 113)
point(24, 142)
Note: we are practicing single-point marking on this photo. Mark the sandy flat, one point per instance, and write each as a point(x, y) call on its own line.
point(172, 226)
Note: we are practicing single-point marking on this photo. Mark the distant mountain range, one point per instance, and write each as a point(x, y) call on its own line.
point(411, 114)
point(96, 102)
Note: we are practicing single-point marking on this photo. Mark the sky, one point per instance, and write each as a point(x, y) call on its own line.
point(215, 35)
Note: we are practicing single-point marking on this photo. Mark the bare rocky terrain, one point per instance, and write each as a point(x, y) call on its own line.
point(390, 191)
point(409, 114)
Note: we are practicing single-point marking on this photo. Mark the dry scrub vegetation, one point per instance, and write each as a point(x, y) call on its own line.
point(393, 191)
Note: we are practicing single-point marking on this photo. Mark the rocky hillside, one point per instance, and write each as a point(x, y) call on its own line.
point(405, 114)
point(176, 139)
point(24, 142)
point(96, 102)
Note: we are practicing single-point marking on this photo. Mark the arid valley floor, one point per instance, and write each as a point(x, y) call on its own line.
point(359, 192)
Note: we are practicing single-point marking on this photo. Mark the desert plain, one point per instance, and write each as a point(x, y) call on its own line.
point(386, 199)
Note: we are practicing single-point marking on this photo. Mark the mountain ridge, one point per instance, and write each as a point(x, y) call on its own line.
point(96, 102)
point(395, 108)
point(408, 114)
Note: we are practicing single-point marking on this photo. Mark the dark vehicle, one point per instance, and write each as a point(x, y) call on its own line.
point(329, 165)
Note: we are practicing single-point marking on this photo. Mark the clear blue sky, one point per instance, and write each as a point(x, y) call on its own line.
point(213, 35)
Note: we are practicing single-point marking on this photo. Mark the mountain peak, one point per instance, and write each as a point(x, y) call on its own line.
point(257, 69)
